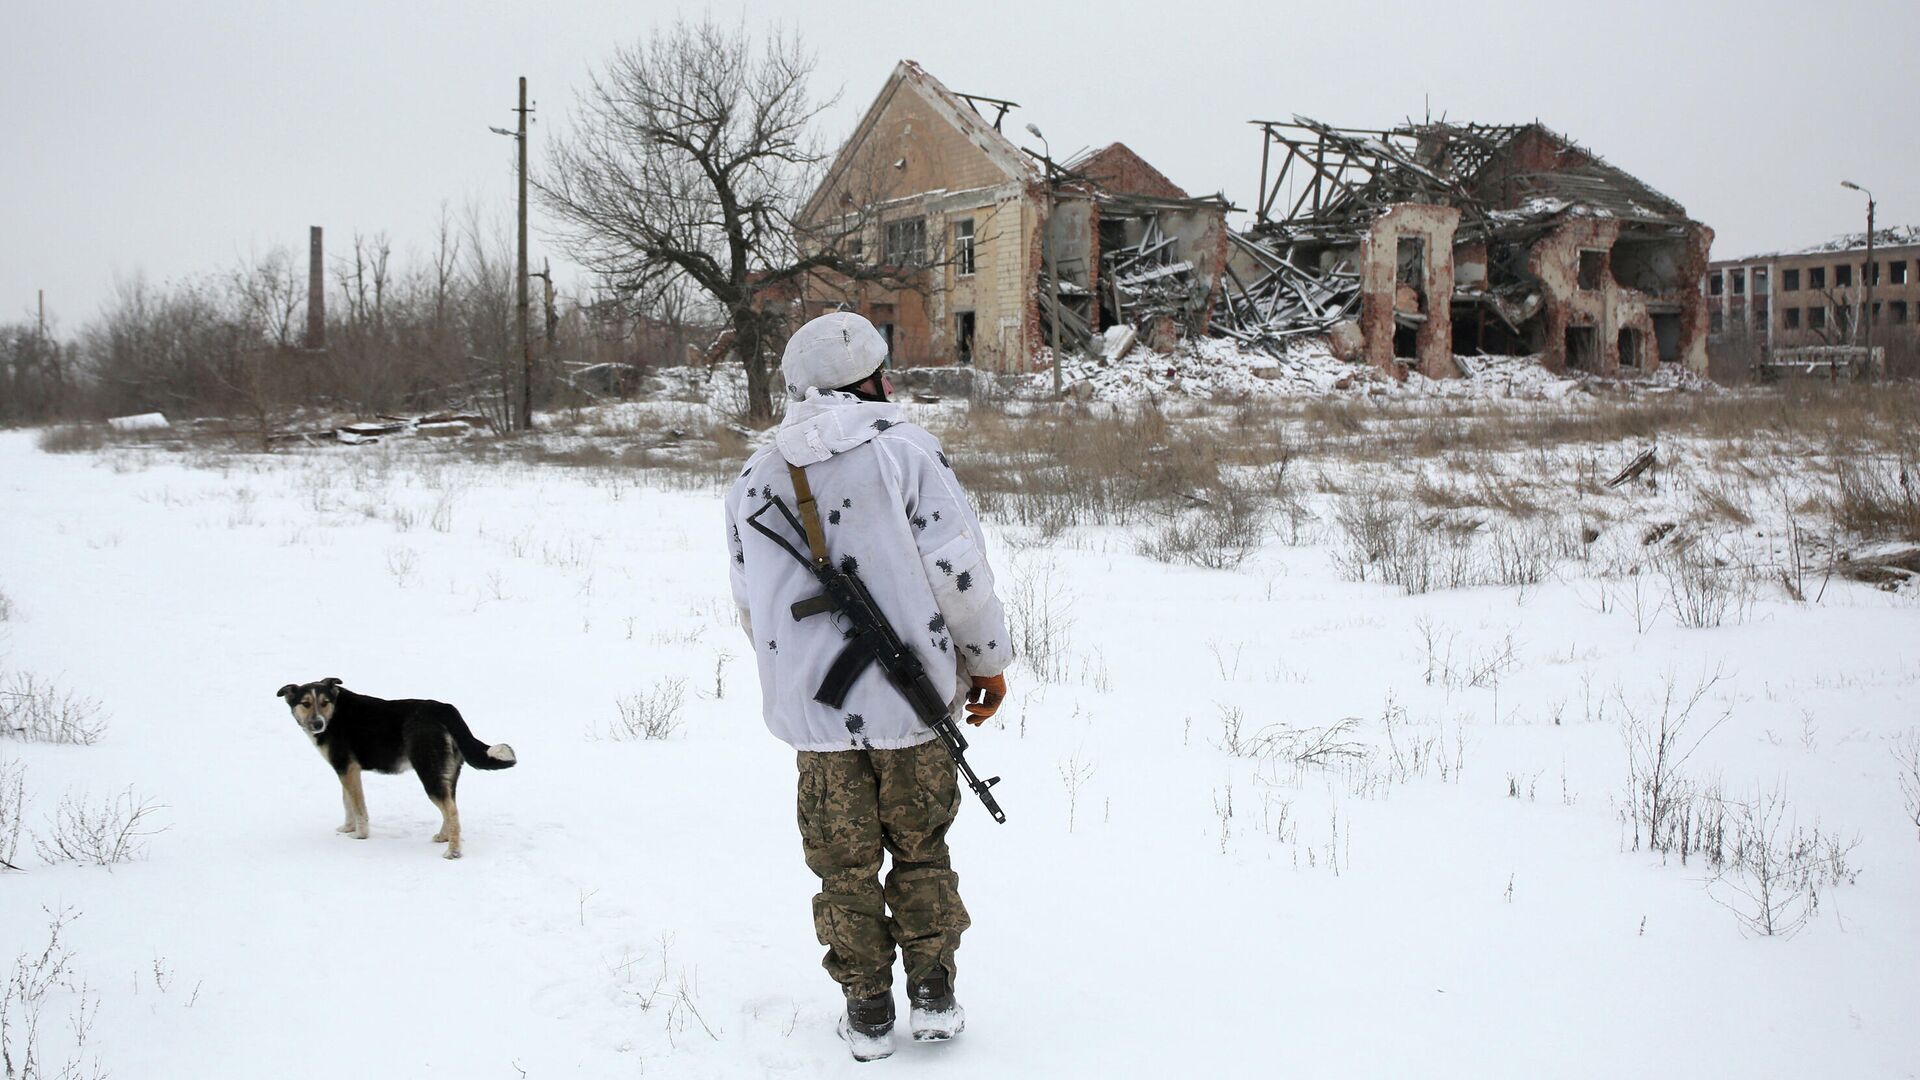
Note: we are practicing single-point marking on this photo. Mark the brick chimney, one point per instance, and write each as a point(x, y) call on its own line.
point(316, 292)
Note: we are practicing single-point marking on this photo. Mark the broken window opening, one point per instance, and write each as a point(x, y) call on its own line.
point(1580, 348)
point(1870, 273)
point(1630, 345)
point(1817, 277)
point(1714, 284)
point(1898, 309)
point(1592, 264)
point(906, 242)
point(963, 248)
point(1738, 279)
point(1897, 272)
point(1793, 318)
point(1817, 318)
point(1715, 321)
point(1790, 281)
point(1760, 283)
point(963, 337)
point(1410, 274)
point(1843, 275)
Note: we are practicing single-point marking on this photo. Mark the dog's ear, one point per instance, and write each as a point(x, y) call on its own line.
point(330, 682)
point(287, 691)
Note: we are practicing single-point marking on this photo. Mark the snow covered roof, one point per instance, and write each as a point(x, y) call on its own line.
point(1890, 237)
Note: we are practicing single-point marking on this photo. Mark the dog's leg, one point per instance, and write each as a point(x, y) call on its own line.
point(449, 825)
point(358, 795)
point(346, 799)
point(450, 811)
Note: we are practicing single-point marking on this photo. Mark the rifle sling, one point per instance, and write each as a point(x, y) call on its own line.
point(809, 514)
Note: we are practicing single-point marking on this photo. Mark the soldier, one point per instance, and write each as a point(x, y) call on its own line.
point(873, 779)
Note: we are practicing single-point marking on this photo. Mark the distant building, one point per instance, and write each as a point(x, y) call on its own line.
point(1787, 300)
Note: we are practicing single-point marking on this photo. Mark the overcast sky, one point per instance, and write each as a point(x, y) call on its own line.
point(171, 138)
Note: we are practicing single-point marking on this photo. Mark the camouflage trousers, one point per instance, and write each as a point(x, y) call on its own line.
point(854, 806)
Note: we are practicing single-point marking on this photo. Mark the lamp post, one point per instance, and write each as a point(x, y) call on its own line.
point(1871, 269)
point(1053, 267)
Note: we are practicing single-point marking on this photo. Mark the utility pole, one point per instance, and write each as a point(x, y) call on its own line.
point(520, 279)
point(40, 321)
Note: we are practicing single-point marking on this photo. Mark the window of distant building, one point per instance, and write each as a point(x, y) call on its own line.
point(1817, 277)
point(1897, 272)
point(1760, 281)
point(1898, 309)
point(1714, 321)
point(1790, 281)
point(1714, 284)
point(1793, 318)
point(1870, 273)
point(963, 247)
point(1817, 318)
point(1739, 280)
point(1843, 275)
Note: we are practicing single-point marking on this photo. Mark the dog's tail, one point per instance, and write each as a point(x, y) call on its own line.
point(476, 753)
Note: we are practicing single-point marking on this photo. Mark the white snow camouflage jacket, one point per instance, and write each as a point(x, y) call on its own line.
point(890, 507)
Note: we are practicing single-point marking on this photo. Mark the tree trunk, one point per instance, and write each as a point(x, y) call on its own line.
point(749, 341)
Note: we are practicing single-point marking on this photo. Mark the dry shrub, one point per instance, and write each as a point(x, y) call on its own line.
point(105, 834)
point(1080, 465)
point(71, 438)
point(651, 714)
point(1878, 500)
point(35, 710)
point(1219, 534)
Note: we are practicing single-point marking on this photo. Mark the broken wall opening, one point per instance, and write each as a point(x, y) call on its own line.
point(1581, 348)
point(1630, 344)
point(1406, 342)
point(1649, 265)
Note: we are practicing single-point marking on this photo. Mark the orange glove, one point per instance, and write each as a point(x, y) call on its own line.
point(985, 697)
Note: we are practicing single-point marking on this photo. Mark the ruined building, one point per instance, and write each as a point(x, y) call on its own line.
point(996, 242)
point(1423, 242)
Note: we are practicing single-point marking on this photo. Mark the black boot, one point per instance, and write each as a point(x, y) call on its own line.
point(868, 1027)
point(936, 1016)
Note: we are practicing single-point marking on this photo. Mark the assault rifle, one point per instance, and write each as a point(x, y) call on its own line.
point(870, 638)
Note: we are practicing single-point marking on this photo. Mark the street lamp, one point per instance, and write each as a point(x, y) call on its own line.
point(1871, 269)
point(1053, 267)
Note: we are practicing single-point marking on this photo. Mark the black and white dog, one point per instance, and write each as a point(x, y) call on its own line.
point(355, 732)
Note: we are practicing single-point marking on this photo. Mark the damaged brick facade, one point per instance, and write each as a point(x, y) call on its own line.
point(1443, 241)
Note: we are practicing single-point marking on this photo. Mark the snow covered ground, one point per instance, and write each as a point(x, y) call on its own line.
point(1189, 883)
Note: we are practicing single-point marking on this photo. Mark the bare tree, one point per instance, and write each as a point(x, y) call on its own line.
point(688, 162)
